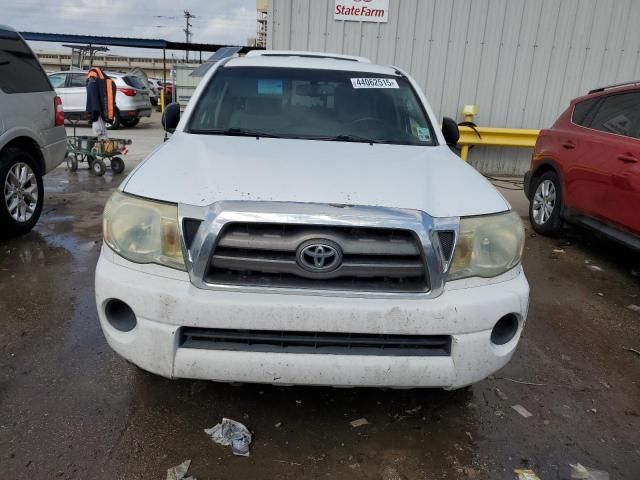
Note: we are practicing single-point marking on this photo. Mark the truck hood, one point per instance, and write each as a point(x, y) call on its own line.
point(203, 169)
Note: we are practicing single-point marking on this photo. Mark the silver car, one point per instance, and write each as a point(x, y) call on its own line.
point(32, 134)
point(132, 97)
point(156, 86)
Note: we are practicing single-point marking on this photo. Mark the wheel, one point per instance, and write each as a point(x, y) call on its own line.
point(23, 193)
point(131, 122)
point(117, 165)
point(72, 162)
point(97, 167)
point(546, 204)
point(116, 122)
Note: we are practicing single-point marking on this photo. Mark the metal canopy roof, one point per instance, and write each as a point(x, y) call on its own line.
point(126, 42)
point(211, 61)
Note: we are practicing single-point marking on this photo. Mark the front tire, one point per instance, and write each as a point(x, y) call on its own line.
point(546, 204)
point(23, 192)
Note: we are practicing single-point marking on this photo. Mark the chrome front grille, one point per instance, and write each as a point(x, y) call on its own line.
point(269, 255)
point(253, 246)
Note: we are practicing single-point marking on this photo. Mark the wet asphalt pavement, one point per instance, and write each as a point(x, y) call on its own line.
point(71, 408)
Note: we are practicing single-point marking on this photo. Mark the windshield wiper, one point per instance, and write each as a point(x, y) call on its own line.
point(345, 138)
point(236, 132)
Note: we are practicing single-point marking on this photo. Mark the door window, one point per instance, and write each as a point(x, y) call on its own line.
point(57, 80)
point(583, 112)
point(20, 71)
point(77, 80)
point(619, 114)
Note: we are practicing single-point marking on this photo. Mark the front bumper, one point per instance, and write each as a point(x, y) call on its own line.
point(164, 300)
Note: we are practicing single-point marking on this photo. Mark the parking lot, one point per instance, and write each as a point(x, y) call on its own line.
point(71, 408)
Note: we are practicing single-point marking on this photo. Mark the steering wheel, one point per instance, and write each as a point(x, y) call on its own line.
point(368, 119)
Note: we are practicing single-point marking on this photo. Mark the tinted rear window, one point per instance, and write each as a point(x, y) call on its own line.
point(20, 71)
point(619, 114)
point(134, 82)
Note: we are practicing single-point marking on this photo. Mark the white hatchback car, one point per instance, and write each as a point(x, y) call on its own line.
point(132, 97)
point(307, 223)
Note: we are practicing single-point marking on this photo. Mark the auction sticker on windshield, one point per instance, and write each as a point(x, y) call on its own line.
point(374, 83)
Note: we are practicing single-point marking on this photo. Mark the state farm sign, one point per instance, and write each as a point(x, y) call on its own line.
point(362, 10)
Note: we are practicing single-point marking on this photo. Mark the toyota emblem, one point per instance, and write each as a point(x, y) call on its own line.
point(319, 256)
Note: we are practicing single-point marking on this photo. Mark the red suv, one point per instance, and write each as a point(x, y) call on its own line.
point(586, 168)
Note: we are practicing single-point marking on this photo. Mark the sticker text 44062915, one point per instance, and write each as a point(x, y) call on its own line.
point(374, 83)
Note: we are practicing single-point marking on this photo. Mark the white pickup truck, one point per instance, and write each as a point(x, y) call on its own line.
point(307, 223)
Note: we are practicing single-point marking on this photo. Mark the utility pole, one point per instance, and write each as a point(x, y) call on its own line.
point(187, 30)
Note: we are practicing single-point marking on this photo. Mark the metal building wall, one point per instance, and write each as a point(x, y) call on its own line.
point(519, 61)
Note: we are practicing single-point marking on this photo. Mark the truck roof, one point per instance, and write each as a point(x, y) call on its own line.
point(311, 60)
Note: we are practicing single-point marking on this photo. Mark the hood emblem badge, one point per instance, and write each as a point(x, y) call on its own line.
point(319, 256)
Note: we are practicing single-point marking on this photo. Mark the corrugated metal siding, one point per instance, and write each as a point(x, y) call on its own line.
point(519, 61)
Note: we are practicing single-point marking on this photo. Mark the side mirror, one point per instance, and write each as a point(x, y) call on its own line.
point(171, 117)
point(450, 131)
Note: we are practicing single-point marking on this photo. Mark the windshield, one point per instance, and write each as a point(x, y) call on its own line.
point(314, 104)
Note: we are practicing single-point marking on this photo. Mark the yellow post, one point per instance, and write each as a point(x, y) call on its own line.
point(468, 111)
point(162, 99)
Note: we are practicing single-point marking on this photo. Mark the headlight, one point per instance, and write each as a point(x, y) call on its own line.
point(143, 231)
point(487, 246)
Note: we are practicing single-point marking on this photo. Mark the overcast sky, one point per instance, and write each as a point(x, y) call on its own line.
point(217, 21)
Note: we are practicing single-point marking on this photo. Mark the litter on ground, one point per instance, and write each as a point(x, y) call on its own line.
point(233, 433)
point(359, 422)
point(580, 472)
point(500, 394)
point(522, 411)
point(526, 474)
point(179, 471)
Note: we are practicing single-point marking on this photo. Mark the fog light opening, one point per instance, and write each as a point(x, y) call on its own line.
point(505, 329)
point(120, 315)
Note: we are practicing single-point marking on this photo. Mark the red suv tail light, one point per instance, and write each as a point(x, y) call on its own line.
point(58, 112)
point(129, 92)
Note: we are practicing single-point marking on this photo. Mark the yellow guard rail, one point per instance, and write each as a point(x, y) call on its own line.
point(492, 137)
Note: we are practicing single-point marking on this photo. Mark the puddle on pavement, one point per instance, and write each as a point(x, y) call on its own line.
point(29, 251)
